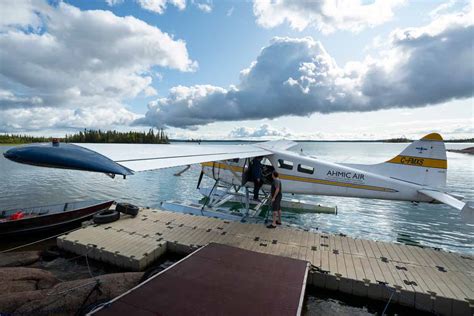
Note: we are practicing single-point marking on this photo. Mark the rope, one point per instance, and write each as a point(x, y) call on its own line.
point(386, 306)
point(95, 288)
point(38, 241)
point(96, 280)
point(72, 289)
point(88, 266)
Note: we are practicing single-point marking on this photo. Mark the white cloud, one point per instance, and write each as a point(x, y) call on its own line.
point(159, 6)
point(113, 2)
point(230, 11)
point(443, 8)
point(416, 128)
point(326, 15)
point(79, 62)
point(421, 66)
point(21, 14)
point(40, 118)
point(263, 131)
point(204, 7)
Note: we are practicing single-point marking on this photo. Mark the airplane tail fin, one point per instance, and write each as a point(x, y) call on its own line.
point(423, 162)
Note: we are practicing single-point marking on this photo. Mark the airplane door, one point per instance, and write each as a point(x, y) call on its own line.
point(246, 172)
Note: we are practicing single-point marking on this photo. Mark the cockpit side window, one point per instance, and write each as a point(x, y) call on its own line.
point(305, 169)
point(266, 162)
point(285, 164)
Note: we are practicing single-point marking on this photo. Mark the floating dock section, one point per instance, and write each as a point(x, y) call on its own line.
point(219, 280)
point(422, 278)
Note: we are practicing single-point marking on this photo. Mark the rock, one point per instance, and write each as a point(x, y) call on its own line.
point(67, 298)
point(18, 259)
point(10, 302)
point(18, 286)
point(14, 279)
point(67, 270)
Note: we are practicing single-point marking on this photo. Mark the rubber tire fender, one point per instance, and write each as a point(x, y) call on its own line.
point(127, 208)
point(107, 216)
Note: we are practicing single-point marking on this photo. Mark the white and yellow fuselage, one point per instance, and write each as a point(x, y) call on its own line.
point(302, 174)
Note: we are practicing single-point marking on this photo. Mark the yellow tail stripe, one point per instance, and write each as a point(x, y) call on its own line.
point(433, 136)
point(420, 162)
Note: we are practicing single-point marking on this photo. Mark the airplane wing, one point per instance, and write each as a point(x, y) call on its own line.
point(467, 209)
point(282, 144)
point(125, 159)
point(140, 157)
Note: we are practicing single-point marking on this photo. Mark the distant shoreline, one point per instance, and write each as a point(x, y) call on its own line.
point(469, 140)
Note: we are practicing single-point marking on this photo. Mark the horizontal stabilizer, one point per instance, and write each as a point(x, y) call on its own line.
point(467, 213)
point(467, 209)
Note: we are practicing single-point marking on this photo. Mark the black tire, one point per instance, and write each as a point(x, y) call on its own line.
point(107, 216)
point(127, 208)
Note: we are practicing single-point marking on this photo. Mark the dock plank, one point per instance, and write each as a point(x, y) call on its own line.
point(367, 248)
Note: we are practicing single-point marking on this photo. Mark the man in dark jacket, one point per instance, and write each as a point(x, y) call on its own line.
point(256, 176)
point(276, 195)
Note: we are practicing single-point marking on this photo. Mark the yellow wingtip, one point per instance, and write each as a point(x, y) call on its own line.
point(433, 136)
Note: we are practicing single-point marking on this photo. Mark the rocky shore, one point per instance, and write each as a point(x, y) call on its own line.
point(48, 282)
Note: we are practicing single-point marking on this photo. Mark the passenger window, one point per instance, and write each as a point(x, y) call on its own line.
point(285, 164)
point(235, 160)
point(305, 169)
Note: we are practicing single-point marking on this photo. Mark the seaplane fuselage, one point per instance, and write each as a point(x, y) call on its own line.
point(307, 175)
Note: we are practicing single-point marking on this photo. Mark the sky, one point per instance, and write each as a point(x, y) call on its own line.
point(261, 69)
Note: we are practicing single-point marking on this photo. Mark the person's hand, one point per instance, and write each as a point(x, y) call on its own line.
point(273, 200)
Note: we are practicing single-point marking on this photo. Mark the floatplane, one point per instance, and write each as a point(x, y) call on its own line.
point(417, 174)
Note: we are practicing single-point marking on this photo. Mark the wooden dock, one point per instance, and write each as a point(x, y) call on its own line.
point(421, 278)
point(218, 280)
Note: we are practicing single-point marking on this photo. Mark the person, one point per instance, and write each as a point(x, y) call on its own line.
point(276, 194)
point(256, 176)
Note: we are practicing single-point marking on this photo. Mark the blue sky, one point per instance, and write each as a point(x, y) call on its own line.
point(228, 39)
point(219, 45)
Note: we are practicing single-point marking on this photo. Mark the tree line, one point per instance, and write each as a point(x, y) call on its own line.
point(22, 139)
point(95, 136)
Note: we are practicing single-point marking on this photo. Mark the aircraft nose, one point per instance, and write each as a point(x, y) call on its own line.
point(11, 154)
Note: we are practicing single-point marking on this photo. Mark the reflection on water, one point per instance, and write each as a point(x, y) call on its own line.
point(425, 224)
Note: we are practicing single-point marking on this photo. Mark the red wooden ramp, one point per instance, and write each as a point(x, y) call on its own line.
point(219, 280)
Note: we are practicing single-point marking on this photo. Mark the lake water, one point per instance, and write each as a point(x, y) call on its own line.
point(426, 224)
